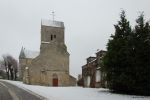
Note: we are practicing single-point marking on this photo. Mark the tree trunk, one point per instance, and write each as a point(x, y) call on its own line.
point(8, 74)
point(11, 74)
point(15, 75)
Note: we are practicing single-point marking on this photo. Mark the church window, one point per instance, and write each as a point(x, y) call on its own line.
point(51, 37)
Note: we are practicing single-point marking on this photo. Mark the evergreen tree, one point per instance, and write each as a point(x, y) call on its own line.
point(115, 62)
point(142, 57)
point(127, 61)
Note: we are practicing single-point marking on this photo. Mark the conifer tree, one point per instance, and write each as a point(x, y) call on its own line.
point(115, 62)
point(127, 61)
point(142, 57)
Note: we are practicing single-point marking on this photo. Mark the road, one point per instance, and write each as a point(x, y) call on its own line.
point(11, 92)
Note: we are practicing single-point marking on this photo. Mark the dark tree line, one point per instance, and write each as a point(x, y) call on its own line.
point(127, 61)
point(10, 67)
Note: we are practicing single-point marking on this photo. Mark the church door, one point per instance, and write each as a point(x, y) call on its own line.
point(55, 80)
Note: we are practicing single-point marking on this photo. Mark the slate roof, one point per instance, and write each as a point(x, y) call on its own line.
point(28, 53)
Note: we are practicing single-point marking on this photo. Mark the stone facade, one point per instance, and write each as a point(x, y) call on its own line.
point(50, 66)
point(92, 73)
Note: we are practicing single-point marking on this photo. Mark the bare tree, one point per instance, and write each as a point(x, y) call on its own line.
point(6, 65)
point(2, 70)
point(11, 67)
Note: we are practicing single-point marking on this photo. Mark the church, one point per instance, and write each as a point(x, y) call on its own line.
point(50, 66)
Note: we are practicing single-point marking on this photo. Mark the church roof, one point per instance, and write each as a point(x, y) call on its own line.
point(52, 23)
point(28, 53)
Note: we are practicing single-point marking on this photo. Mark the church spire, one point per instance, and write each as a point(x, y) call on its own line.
point(22, 54)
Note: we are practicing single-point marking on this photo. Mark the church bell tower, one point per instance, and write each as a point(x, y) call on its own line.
point(52, 32)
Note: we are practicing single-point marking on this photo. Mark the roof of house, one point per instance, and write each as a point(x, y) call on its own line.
point(52, 23)
point(28, 53)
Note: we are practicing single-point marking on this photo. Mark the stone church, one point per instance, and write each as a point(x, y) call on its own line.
point(50, 66)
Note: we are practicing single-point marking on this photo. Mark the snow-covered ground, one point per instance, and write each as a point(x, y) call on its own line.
point(76, 93)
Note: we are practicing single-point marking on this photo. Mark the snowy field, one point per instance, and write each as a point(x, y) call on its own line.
point(76, 93)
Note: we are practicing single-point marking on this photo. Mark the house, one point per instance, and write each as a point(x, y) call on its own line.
point(92, 73)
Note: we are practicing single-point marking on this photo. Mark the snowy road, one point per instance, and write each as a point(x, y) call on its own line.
point(11, 92)
point(4, 94)
point(70, 93)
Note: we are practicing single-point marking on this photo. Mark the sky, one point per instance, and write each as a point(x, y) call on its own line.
point(88, 24)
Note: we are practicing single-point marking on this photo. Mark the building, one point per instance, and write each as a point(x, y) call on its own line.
point(50, 66)
point(92, 73)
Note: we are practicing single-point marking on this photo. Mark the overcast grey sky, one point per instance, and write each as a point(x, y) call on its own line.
point(88, 24)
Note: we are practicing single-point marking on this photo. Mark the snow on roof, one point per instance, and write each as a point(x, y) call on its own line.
point(52, 23)
point(45, 42)
point(98, 67)
point(93, 60)
point(28, 53)
point(31, 54)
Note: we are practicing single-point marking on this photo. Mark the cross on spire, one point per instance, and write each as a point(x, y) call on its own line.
point(53, 15)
